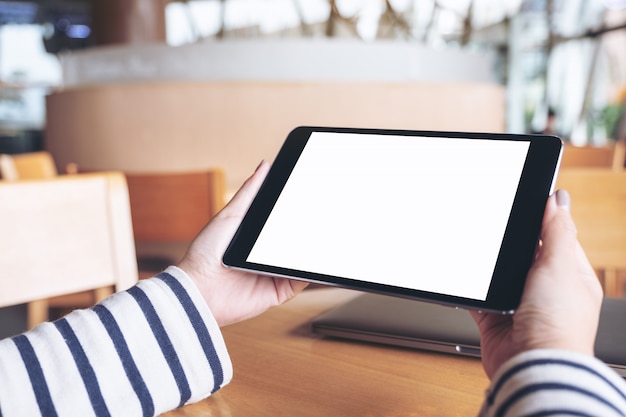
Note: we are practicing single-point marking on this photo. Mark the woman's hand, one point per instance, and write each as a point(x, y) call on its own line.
point(560, 307)
point(233, 295)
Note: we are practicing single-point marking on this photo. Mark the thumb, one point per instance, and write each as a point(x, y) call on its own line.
point(244, 196)
point(560, 255)
point(558, 234)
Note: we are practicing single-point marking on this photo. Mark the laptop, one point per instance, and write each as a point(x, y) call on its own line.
point(420, 325)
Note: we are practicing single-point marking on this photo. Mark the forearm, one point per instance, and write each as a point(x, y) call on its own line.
point(140, 352)
point(555, 382)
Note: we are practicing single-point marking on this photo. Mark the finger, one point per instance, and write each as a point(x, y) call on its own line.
point(559, 235)
point(550, 212)
point(563, 200)
point(298, 286)
point(548, 215)
point(287, 288)
point(478, 316)
point(244, 196)
point(489, 322)
point(557, 200)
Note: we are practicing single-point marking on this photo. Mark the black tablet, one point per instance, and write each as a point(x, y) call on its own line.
point(447, 217)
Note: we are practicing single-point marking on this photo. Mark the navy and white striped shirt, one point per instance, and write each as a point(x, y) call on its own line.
point(555, 383)
point(140, 352)
point(156, 347)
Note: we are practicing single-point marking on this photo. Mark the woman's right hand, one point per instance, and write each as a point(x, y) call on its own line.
point(560, 307)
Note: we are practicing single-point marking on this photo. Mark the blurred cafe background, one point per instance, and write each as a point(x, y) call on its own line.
point(562, 62)
point(194, 93)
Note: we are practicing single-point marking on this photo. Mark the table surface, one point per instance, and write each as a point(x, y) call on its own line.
point(282, 369)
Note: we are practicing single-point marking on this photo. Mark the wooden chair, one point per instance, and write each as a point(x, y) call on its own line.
point(169, 209)
point(26, 166)
point(619, 155)
point(38, 165)
point(588, 156)
point(599, 210)
point(63, 235)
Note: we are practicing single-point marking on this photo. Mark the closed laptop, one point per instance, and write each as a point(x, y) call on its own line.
point(414, 324)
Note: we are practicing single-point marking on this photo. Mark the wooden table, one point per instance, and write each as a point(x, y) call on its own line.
point(283, 369)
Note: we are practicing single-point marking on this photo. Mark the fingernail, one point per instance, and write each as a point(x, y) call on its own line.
point(563, 199)
point(259, 166)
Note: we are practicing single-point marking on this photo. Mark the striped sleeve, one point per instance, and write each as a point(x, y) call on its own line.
point(140, 352)
point(555, 383)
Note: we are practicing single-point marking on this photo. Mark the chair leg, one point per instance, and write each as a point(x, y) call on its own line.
point(101, 293)
point(611, 284)
point(37, 312)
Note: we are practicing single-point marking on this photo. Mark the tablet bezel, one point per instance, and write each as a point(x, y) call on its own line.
point(518, 246)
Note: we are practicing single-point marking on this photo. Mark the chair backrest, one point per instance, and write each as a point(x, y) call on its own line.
point(31, 165)
point(63, 235)
point(174, 207)
point(599, 210)
point(588, 156)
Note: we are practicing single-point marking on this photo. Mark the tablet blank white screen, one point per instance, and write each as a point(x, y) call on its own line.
point(414, 212)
